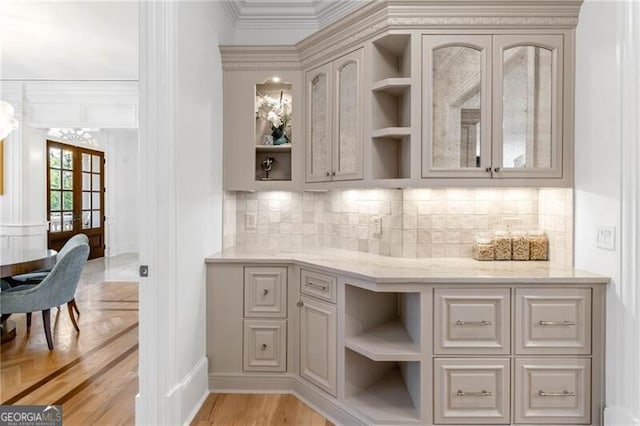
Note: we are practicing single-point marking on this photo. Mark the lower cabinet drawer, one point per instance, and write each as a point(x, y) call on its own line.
point(322, 286)
point(553, 391)
point(471, 391)
point(265, 345)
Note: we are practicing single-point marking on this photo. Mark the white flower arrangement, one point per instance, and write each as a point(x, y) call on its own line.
point(276, 112)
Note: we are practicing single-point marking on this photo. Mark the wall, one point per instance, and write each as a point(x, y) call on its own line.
point(607, 185)
point(180, 200)
point(414, 222)
point(121, 200)
point(69, 40)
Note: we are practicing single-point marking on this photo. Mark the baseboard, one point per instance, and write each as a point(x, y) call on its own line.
point(329, 407)
point(193, 391)
point(615, 416)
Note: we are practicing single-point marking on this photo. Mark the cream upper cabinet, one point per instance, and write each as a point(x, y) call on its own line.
point(319, 128)
point(493, 106)
point(457, 106)
point(528, 93)
point(334, 120)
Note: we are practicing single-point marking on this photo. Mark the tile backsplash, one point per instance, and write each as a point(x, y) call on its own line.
point(413, 222)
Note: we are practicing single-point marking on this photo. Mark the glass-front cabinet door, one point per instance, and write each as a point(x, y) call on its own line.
point(347, 152)
point(456, 106)
point(527, 112)
point(319, 124)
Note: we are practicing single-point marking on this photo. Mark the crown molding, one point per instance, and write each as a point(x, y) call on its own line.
point(308, 14)
point(375, 17)
point(259, 57)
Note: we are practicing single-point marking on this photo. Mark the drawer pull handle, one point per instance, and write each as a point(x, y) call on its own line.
point(483, 393)
point(264, 347)
point(483, 322)
point(317, 286)
point(563, 323)
point(300, 304)
point(266, 291)
point(563, 393)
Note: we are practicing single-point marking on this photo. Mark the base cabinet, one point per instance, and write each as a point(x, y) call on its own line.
point(471, 391)
point(318, 343)
point(553, 391)
point(377, 353)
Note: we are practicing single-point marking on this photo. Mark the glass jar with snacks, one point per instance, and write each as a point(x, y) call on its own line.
point(483, 248)
point(538, 245)
point(519, 245)
point(502, 244)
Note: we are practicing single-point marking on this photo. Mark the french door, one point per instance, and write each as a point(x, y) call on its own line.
point(75, 196)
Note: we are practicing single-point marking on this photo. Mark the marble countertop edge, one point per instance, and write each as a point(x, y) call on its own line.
point(389, 270)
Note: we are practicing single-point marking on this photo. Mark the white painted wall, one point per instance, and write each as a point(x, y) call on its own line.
point(180, 199)
point(121, 199)
point(607, 184)
point(69, 40)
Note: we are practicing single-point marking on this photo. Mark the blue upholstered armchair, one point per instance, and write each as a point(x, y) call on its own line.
point(57, 288)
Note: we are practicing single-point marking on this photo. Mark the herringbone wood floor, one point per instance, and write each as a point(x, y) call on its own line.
point(93, 374)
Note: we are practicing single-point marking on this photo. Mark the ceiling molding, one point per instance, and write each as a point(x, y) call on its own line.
point(310, 14)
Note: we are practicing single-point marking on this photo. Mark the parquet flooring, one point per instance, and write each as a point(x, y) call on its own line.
point(92, 374)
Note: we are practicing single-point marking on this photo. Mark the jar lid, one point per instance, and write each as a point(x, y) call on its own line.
point(501, 233)
point(518, 233)
point(483, 240)
point(536, 232)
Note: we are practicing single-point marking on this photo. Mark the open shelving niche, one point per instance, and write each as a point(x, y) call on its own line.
point(281, 154)
point(382, 355)
point(391, 107)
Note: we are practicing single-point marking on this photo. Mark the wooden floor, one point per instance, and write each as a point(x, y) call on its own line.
point(254, 410)
point(93, 374)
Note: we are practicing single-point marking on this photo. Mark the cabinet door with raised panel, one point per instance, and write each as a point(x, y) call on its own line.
point(318, 343)
point(528, 99)
point(456, 106)
point(319, 123)
point(265, 291)
point(347, 149)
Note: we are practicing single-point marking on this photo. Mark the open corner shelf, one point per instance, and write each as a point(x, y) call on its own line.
point(385, 392)
point(391, 132)
point(392, 56)
point(387, 342)
point(274, 148)
point(394, 86)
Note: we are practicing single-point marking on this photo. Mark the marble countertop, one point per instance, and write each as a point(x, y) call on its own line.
point(385, 269)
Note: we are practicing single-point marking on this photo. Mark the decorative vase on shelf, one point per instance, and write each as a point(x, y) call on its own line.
point(279, 136)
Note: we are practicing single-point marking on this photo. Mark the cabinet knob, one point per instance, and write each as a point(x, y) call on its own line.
point(264, 346)
point(496, 169)
point(487, 169)
point(266, 291)
point(333, 173)
point(328, 174)
point(300, 304)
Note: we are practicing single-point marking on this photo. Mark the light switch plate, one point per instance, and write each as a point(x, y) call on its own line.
point(376, 225)
point(606, 237)
point(250, 220)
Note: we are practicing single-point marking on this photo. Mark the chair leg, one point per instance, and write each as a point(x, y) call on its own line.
point(28, 322)
point(75, 307)
point(73, 319)
point(46, 319)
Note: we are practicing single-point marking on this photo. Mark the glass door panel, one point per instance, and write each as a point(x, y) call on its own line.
point(528, 83)
point(457, 106)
